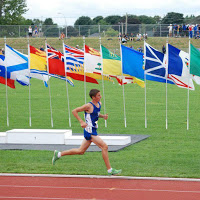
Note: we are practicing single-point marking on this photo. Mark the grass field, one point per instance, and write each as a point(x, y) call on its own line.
point(167, 153)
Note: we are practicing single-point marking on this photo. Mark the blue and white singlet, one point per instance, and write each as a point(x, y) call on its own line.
point(92, 118)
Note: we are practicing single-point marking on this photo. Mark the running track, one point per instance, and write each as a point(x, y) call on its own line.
point(52, 187)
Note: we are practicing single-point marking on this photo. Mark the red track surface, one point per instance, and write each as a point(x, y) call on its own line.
point(61, 188)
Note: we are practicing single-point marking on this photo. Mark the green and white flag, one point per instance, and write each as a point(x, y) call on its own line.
point(194, 61)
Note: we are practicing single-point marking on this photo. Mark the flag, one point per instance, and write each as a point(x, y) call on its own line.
point(128, 79)
point(38, 65)
point(132, 64)
point(92, 60)
point(177, 64)
point(93, 64)
point(154, 64)
point(112, 66)
point(56, 64)
point(10, 83)
point(111, 62)
point(74, 64)
point(16, 65)
point(194, 61)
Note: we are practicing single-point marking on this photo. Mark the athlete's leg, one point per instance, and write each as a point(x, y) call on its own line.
point(81, 150)
point(101, 144)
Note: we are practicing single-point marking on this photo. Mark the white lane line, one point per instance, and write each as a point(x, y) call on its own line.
point(104, 177)
point(48, 198)
point(93, 188)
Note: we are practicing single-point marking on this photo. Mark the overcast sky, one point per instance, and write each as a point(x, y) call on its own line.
point(70, 10)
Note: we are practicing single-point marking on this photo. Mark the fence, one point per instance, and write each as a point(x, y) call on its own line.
point(153, 30)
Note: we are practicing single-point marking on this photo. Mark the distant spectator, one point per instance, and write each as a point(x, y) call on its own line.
point(36, 31)
point(30, 31)
point(140, 49)
point(145, 36)
point(62, 36)
point(77, 46)
point(131, 47)
point(3, 51)
point(190, 31)
point(42, 48)
point(123, 40)
point(175, 30)
point(184, 30)
point(195, 30)
point(131, 37)
point(163, 49)
point(139, 37)
point(170, 30)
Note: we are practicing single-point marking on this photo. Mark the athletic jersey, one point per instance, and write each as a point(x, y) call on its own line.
point(92, 118)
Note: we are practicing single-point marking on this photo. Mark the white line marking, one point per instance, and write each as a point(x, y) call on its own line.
point(93, 188)
point(1, 197)
point(104, 177)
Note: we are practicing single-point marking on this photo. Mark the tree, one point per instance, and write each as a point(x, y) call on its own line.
point(84, 20)
point(97, 19)
point(113, 19)
point(157, 18)
point(132, 19)
point(173, 18)
point(48, 21)
point(146, 20)
point(11, 11)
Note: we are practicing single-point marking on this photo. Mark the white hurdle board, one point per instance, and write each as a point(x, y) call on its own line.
point(37, 136)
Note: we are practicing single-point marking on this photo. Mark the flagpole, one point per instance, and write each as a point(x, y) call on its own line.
point(67, 85)
point(29, 67)
point(145, 84)
point(123, 87)
point(6, 85)
point(104, 98)
point(84, 69)
point(188, 99)
point(167, 53)
point(49, 83)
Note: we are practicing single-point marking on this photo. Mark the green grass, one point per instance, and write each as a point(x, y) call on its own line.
point(166, 153)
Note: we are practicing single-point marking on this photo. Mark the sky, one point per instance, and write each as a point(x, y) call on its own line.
point(68, 11)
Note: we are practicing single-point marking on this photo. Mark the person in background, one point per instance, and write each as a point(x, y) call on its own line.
point(62, 36)
point(163, 49)
point(30, 31)
point(42, 48)
point(170, 30)
point(184, 28)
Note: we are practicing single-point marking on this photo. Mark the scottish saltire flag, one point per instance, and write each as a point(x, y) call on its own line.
point(16, 65)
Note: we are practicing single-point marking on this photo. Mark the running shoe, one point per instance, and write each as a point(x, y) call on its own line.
point(115, 172)
point(55, 157)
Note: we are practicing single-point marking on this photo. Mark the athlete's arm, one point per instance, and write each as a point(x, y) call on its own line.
point(103, 116)
point(75, 112)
